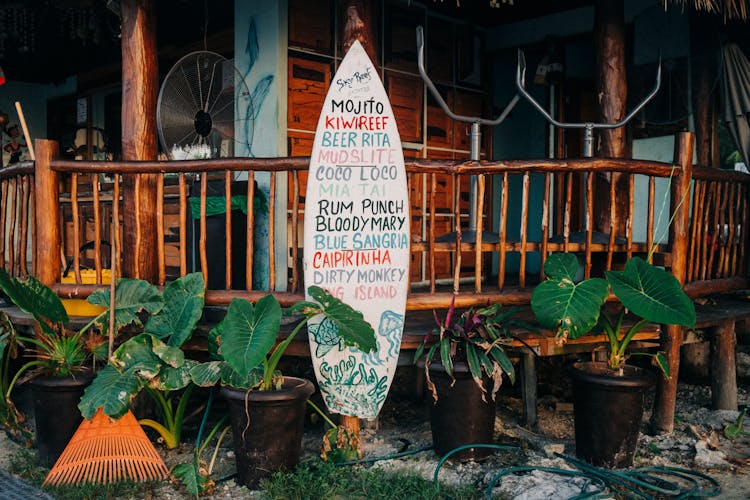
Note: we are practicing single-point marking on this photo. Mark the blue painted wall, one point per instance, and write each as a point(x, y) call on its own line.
point(260, 48)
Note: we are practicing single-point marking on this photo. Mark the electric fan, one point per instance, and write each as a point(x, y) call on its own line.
point(204, 108)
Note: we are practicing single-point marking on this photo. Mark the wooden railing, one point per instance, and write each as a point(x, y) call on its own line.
point(521, 223)
point(516, 228)
point(718, 234)
point(17, 231)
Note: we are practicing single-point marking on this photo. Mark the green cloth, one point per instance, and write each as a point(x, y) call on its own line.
point(216, 205)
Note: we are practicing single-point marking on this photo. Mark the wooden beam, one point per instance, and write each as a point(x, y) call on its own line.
point(47, 258)
point(612, 96)
point(704, 35)
point(528, 388)
point(666, 392)
point(723, 368)
point(139, 95)
point(359, 23)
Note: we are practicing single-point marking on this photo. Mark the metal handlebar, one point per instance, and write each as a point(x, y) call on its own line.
point(476, 133)
point(436, 94)
point(588, 138)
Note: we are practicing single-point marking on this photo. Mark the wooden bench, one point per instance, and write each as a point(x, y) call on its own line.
point(718, 316)
point(531, 345)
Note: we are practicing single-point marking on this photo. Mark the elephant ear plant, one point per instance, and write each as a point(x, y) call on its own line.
point(267, 409)
point(572, 309)
point(242, 344)
point(152, 360)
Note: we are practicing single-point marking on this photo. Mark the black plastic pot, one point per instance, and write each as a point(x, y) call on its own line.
point(608, 411)
point(272, 439)
point(56, 413)
point(459, 416)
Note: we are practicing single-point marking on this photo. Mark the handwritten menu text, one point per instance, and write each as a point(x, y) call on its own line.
point(361, 214)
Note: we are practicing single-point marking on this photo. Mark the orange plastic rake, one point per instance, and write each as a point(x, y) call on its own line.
point(104, 450)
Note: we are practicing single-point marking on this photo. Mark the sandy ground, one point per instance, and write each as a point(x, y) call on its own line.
point(698, 442)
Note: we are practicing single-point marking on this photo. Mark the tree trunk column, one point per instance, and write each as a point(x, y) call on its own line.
point(139, 95)
point(612, 96)
point(723, 367)
point(358, 24)
point(703, 38)
point(47, 210)
point(662, 419)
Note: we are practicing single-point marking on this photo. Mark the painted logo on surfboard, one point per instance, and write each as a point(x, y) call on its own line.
point(356, 242)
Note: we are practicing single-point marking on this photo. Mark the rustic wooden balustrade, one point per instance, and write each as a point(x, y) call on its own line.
point(706, 248)
point(17, 234)
point(516, 227)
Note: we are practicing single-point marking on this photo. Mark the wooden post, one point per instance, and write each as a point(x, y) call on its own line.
point(723, 368)
point(46, 197)
point(612, 92)
point(703, 37)
point(528, 388)
point(350, 423)
point(358, 22)
point(671, 338)
point(139, 95)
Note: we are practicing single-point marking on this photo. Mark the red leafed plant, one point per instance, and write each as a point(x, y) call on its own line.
point(475, 337)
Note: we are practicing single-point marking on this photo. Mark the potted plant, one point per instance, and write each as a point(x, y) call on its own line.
point(61, 366)
point(609, 396)
point(469, 367)
point(267, 409)
point(152, 359)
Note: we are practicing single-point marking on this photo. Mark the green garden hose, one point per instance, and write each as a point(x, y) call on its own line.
point(645, 483)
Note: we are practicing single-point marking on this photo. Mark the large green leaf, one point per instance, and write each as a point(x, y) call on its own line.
point(351, 325)
point(209, 373)
point(652, 293)
point(131, 297)
point(112, 391)
point(206, 374)
point(35, 298)
point(561, 266)
point(171, 378)
point(137, 351)
point(191, 478)
point(572, 309)
point(131, 367)
point(241, 381)
point(249, 333)
point(172, 356)
point(183, 305)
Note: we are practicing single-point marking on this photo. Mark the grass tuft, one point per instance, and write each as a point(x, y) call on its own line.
point(321, 480)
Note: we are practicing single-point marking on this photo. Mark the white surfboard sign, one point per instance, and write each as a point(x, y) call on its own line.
point(356, 242)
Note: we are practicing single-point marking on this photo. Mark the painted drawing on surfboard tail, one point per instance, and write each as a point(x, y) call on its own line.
point(356, 242)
